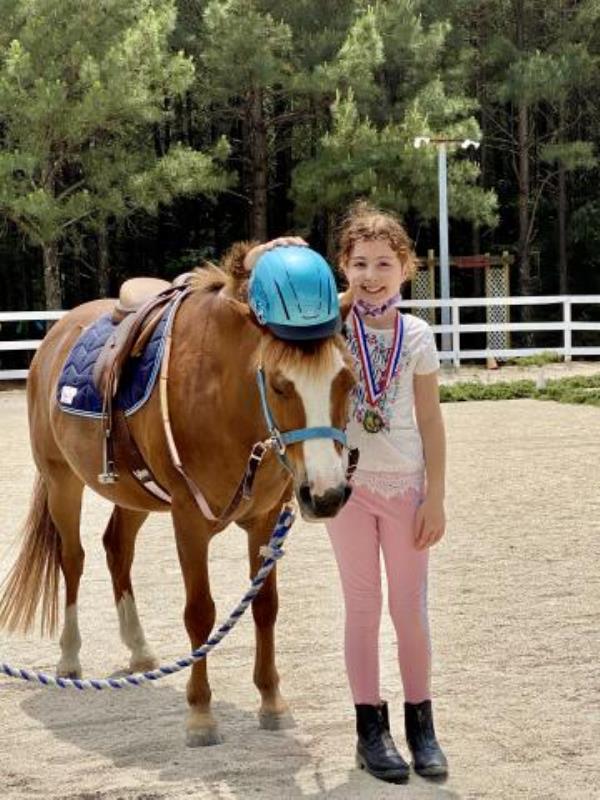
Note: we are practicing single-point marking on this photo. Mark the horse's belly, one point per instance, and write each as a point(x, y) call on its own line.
point(81, 441)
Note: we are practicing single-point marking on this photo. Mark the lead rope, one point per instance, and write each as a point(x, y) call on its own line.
point(271, 553)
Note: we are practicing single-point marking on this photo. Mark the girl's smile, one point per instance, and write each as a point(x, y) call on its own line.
point(374, 271)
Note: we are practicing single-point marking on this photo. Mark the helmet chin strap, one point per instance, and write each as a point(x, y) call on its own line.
point(366, 309)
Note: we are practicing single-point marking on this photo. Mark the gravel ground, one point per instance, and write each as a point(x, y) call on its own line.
point(515, 604)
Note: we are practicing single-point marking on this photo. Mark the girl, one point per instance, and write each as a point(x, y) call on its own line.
point(397, 506)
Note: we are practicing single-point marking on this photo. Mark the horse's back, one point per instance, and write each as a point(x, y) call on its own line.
point(46, 367)
point(57, 343)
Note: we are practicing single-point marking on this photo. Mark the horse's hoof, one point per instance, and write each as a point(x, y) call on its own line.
point(146, 663)
point(71, 671)
point(203, 737)
point(276, 722)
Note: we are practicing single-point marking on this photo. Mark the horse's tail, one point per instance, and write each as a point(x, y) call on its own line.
point(35, 573)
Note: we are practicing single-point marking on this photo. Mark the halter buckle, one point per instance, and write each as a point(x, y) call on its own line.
point(276, 440)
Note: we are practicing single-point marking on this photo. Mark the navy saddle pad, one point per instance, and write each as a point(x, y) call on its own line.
point(76, 393)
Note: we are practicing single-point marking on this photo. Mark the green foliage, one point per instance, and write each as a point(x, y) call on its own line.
point(84, 88)
point(359, 56)
point(537, 360)
point(463, 391)
point(81, 85)
point(573, 155)
point(355, 158)
point(243, 49)
point(578, 389)
point(110, 107)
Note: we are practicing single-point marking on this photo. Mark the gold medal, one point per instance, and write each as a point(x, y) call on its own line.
point(372, 421)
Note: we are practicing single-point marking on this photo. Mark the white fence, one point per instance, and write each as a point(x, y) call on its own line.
point(567, 326)
point(22, 344)
point(453, 331)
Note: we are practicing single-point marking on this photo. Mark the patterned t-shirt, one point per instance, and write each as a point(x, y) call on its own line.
point(397, 449)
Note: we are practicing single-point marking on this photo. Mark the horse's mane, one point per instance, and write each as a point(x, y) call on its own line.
point(230, 276)
point(310, 357)
point(209, 279)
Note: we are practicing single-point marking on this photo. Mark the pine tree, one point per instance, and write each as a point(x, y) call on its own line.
point(385, 100)
point(82, 82)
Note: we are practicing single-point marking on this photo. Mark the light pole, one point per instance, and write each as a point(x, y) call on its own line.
point(441, 143)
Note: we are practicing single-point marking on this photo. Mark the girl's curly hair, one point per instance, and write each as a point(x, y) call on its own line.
point(365, 221)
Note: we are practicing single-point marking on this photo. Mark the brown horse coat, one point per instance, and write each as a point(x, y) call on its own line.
point(216, 417)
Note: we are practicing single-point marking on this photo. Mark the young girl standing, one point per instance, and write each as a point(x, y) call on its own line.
point(397, 505)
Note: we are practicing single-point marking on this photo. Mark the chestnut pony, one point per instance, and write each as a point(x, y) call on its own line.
point(216, 417)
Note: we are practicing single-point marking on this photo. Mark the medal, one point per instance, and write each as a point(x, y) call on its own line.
point(372, 420)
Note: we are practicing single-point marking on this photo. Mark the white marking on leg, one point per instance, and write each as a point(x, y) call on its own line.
point(70, 644)
point(324, 467)
point(132, 634)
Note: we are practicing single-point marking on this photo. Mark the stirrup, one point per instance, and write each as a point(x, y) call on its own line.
point(109, 474)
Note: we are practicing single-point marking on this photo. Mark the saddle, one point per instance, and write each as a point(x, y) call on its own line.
point(137, 312)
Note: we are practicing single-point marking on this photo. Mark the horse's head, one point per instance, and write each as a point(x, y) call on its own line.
point(307, 386)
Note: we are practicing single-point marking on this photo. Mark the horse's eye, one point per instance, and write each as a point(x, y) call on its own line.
point(280, 385)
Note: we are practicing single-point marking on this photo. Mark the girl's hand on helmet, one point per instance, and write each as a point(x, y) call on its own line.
point(253, 255)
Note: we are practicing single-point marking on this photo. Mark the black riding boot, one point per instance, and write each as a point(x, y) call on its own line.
point(375, 750)
point(428, 757)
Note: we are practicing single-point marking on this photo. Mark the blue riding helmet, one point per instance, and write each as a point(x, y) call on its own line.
point(293, 292)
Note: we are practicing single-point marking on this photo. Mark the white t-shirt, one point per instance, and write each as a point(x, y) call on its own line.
point(397, 449)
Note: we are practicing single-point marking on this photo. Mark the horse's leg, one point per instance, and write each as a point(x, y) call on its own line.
point(192, 534)
point(64, 506)
point(119, 543)
point(274, 713)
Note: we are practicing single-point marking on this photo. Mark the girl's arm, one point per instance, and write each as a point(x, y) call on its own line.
point(431, 520)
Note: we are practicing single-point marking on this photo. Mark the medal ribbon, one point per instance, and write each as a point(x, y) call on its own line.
point(375, 390)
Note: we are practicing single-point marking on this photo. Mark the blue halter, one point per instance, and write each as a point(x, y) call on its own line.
point(282, 440)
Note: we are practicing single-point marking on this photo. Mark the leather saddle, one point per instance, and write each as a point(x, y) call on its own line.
point(137, 312)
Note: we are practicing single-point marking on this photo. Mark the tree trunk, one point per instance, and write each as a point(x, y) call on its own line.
point(103, 263)
point(523, 183)
point(53, 298)
point(523, 178)
point(331, 236)
point(562, 230)
point(563, 278)
point(257, 133)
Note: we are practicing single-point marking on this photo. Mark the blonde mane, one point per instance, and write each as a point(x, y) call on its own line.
point(311, 358)
point(209, 279)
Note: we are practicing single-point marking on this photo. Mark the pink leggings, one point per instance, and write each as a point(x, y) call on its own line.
point(367, 524)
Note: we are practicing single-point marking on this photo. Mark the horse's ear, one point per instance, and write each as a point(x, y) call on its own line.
point(243, 309)
point(346, 301)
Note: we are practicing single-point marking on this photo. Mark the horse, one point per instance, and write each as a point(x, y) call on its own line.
point(215, 418)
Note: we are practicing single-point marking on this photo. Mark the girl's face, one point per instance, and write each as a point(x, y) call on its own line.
point(374, 271)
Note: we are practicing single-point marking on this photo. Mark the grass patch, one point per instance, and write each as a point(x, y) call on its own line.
point(538, 360)
point(511, 390)
point(578, 389)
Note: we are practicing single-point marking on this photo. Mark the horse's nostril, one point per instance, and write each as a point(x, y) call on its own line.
point(304, 492)
point(328, 504)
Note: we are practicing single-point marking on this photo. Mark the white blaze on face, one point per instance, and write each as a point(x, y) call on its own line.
point(324, 466)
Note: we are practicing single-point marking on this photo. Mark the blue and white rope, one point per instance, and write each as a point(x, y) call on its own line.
point(271, 553)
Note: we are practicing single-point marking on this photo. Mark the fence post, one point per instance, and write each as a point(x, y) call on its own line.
point(456, 332)
point(567, 318)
